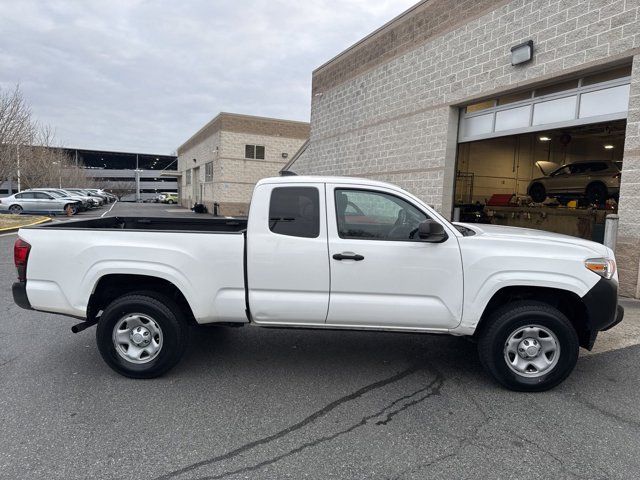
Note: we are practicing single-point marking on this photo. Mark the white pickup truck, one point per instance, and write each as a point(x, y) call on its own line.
point(324, 252)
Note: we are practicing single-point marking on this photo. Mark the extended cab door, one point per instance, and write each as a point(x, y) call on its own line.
point(287, 258)
point(382, 275)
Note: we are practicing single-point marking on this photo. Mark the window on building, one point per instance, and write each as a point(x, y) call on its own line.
point(254, 151)
point(187, 177)
point(295, 211)
point(366, 215)
point(208, 172)
point(476, 107)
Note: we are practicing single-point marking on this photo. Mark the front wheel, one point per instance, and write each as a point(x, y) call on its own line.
point(71, 209)
point(142, 335)
point(528, 346)
point(538, 193)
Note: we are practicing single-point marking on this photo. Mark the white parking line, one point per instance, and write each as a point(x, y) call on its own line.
point(114, 204)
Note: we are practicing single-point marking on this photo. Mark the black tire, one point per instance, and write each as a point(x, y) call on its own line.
point(15, 209)
point(596, 193)
point(168, 316)
point(538, 193)
point(504, 322)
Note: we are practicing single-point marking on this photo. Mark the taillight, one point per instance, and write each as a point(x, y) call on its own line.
point(20, 257)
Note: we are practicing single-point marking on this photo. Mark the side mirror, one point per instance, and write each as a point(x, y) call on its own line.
point(432, 232)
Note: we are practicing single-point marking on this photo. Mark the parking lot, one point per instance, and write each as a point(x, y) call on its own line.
point(260, 403)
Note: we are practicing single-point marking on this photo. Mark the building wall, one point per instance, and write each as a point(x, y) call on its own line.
point(205, 150)
point(389, 111)
point(628, 243)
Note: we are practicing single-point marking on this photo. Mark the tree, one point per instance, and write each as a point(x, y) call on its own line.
point(16, 130)
point(47, 164)
point(122, 188)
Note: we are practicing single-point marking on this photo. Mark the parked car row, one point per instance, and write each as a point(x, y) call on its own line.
point(67, 201)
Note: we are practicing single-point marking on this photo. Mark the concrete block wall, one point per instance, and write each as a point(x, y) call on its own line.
point(628, 242)
point(203, 152)
point(395, 117)
point(222, 142)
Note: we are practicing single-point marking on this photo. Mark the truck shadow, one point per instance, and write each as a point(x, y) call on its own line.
point(300, 350)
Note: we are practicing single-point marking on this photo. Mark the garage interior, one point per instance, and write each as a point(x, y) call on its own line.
point(581, 120)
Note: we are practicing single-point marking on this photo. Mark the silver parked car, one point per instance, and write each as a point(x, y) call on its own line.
point(597, 180)
point(85, 202)
point(38, 202)
point(96, 200)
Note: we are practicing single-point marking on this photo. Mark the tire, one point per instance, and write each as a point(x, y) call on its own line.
point(73, 209)
point(15, 209)
point(500, 358)
point(538, 193)
point(164, 321)
point(596, 193)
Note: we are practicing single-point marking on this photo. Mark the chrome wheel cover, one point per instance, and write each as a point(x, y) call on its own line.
point(137, 338)
point(532, 351)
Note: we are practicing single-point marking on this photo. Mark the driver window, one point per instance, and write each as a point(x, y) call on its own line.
point(369, 215)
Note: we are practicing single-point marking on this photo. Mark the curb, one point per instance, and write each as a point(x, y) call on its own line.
point(15, 229)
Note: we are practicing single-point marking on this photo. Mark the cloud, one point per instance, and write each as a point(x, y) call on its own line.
point(136, 75)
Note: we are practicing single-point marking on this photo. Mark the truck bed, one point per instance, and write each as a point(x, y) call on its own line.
point(164, 224)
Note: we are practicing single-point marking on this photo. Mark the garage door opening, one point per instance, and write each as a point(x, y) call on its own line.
point(562, 180)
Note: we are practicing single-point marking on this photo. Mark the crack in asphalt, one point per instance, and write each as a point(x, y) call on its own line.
point(9, 361)
point(303, 423)
point(463, 441)
point(434, 386)
point(606, 413)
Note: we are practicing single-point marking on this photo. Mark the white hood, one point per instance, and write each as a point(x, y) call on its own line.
point(500, 231)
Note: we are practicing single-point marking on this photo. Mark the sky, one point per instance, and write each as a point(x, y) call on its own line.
point(143, 76)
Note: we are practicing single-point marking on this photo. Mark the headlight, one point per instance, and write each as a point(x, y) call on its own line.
point(605, 267)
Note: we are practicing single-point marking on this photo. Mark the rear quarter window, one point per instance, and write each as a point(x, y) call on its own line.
point(295, 211)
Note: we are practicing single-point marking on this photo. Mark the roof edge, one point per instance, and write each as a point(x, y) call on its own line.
point(376, 32)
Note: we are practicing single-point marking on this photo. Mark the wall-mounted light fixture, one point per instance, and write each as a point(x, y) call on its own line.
point(194, 160)
point(522, 53)
point(285, 155)
point(608, 146)
point(544, 138)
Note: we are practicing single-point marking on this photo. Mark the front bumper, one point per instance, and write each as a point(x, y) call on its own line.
point(603, 311)
point(19, 290)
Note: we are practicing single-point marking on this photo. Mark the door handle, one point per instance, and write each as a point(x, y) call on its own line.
point(348, 256)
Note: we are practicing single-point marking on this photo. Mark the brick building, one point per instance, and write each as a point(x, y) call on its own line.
point(433, 102)
point(225, 158)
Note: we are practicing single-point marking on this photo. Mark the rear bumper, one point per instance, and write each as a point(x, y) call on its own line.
point(19, 290)
point(603, 311)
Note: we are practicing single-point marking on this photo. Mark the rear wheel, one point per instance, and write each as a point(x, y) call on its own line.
point(538, 193)
point(142, 335)
point(596, 193)
point(15, 209)
point(528, 346)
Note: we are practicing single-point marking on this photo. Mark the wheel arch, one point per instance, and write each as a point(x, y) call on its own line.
point(594, 183)
point(535, 184)
point(566, 301)
point(111, 286)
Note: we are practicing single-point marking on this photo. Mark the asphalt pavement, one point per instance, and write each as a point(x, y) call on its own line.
point(264, 403)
